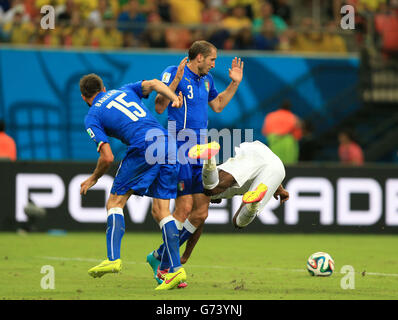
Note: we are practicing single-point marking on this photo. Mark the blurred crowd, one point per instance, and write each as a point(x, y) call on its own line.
point(229, 24)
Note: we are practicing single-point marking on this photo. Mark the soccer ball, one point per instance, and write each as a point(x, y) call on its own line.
point(320, 264)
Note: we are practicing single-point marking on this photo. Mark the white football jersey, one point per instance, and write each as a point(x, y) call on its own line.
point(253, 162)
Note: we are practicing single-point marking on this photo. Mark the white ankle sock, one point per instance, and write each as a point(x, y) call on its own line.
point(210, 174)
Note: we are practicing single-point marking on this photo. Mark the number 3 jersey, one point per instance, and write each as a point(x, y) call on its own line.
point(121, 114)
point(198, 91)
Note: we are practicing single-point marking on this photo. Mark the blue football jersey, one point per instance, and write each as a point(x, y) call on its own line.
point(121, 114)
point(198, 91)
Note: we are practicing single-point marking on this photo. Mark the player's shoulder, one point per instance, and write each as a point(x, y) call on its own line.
point(128, 87)
point(93, 112)
point(90, 118)
point(170, 69)
point(168, 74)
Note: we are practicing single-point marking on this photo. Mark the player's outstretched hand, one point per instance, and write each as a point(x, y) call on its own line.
point(236, 70)
point(283, 195)
point(87, 184)
point(181, 67)
point(177, 103)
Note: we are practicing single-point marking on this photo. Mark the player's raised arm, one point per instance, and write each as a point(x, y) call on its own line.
point(161, 88)
point(104, 162)
point(236, 75)
point(161, 102)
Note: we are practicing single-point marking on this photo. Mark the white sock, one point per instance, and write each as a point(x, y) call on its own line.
point(165, 220)
point(115, 210)
point(246, 215)
point(210, 174)
point(179, 225)
point(189, 226)
point(210, 164)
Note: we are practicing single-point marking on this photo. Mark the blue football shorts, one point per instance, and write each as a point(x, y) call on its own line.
point(190, 174)
point(158, 180)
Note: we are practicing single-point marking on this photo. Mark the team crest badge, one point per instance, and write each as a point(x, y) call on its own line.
point(207, 85)
point(181, 186)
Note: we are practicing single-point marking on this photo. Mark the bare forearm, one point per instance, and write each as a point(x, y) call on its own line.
point(101, 168)
point(164, 90)
point(161, 102)
point(225, 97)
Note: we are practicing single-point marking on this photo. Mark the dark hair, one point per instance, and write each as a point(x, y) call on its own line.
point(2, 126)
point(90, 84)
point(200, 47)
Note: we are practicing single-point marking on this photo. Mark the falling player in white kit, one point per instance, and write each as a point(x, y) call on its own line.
point(254, 172)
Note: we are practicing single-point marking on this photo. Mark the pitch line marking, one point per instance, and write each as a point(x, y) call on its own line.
point(214, 266)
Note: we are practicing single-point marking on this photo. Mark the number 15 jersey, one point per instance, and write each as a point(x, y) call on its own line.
point(121, 114)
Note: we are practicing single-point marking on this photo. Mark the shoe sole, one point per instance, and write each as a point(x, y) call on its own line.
point(204, 151)
point(182, 285)
point(256, 195)
point(99, 274)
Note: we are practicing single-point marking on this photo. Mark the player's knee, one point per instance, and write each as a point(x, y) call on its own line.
point(114, 203)
point(183, 208)
point(159, 213)
point(199, 215)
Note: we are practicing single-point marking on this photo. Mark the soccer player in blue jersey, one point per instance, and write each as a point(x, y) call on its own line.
point(121, 114)
point(193, 80)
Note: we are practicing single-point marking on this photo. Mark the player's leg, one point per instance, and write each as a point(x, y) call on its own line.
point(193, 226)
point(207, 152)
point(182, 208)
point(260, 192)
point(164, 188)
point(195, 220)
point(158, 259)
point(161, 214)
point(114, 234)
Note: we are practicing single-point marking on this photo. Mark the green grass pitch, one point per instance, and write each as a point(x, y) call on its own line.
point(235, 266)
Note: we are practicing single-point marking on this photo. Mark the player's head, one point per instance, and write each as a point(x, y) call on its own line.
point(90, 86)
point(204, 55)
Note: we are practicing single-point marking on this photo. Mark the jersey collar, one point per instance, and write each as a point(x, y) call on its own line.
point(98, 96)
point(192, 74)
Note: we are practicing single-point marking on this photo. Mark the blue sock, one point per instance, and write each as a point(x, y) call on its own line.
point(171, 242)
point(114, 235)
point(184, 235)
point(164, 258)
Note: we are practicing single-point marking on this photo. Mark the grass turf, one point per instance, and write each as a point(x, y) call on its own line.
point(236, 266)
